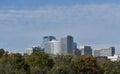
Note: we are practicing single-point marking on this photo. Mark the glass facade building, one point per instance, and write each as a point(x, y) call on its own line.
point(46, 39)
point(67, 44)
point(86, 50)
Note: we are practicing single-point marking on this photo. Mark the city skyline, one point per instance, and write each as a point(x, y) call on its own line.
point(23, 23)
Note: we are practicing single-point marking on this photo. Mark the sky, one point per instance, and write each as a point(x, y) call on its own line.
point(23, 23)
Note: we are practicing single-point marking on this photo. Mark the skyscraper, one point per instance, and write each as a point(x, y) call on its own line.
point(86, 50)
point(46, 39)
point(53, 47)
point(67, 44)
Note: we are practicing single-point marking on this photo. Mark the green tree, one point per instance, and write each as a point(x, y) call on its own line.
point(2, 51)
point(62, 65)
point(13, 64)
point(5, 66)
point(111, 67)
point(85, 65)
point(40, 63)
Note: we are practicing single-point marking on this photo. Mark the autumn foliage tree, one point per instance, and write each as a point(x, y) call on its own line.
point(40, 63)
point(62, 65)
point(85, 65)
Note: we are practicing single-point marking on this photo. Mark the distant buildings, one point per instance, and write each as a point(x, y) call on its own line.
point(29, 51)
point(46, 39)
point(53, 47)
point(77, 52)
point(86, 50)
point(74, 45)
point(110, 51)
point(116, 57)
point(62, 46)
point(97, 53)
point(67, 44)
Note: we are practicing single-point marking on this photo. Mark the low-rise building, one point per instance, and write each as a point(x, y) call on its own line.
point(33, 49)
point(108, 51)
point(116, 57)
point(77, 52)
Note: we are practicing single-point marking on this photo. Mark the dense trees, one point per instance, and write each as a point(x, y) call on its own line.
point(111, 67)
point(85, 65)
point(68, 64)
point(1, 52)
point(41, 63)
point(62, 64)
point(13, 64)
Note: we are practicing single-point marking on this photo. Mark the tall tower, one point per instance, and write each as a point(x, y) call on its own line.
point(47, 39)
point(53, 47)
point(67, 44)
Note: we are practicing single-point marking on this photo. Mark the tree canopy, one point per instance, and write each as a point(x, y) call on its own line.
point(41, 63)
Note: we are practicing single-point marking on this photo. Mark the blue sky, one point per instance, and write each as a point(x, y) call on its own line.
point(23, 23)
point(20, 4)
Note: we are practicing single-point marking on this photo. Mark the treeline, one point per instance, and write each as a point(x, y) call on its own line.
point(41, 63)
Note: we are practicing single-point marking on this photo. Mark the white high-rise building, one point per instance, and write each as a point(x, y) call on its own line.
point(64, 46)
point(53, 47)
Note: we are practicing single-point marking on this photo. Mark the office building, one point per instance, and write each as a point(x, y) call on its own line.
point(97, 52)
point(116, 57)
point(53, 47)
point(67, 44)
point(74, 45)
point(86, 50)
point(29, 51)
point(46, 39)
point(109, 51)
point(77, 52)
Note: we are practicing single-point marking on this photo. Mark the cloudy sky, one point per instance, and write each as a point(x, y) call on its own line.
point(23, 23)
